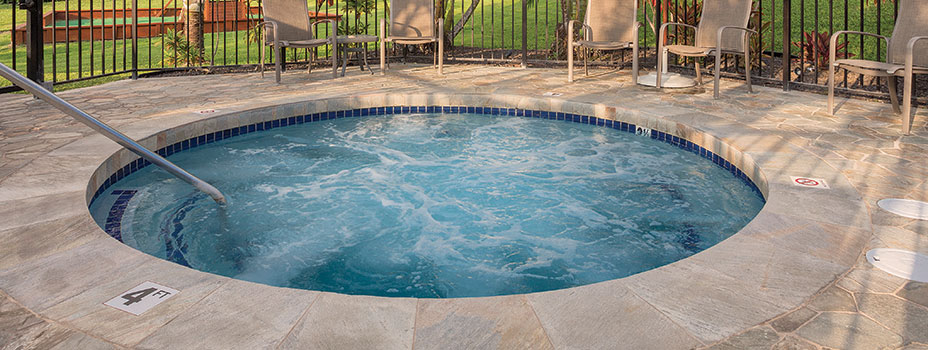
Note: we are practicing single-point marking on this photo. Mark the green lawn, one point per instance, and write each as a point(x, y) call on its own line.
point(220, 49)
point(495, 24)
point(6, 10)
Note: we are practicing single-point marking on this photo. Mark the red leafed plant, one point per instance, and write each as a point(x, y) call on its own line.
point(817, 46)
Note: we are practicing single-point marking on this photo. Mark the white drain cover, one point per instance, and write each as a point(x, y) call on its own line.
point(900, 263)
point(905, 207)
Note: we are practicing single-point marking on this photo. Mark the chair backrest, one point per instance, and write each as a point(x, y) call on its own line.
point(412, 18)
point(612, 20)
point(292, 18)
point(911, 21)
point(720, 13)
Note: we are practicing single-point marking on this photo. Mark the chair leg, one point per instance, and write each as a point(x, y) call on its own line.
point(747, 66)
point(365, 61)
point(831, 88)
point(383, 57)
point(635, 63)
point(660, 64)
point(277, 63)
point(312, 58)
point(334, 59)
point(570, 63)
point(698, 71)
point(907, 102)
point(441, 56)
point(261, 60)
point(718, 65)
point(586, 59)
point(891, 83)
point(345, 56)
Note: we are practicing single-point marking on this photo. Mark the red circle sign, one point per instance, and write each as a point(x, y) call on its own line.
point(806, 182)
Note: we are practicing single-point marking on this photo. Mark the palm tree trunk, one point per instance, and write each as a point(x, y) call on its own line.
point(458, 27)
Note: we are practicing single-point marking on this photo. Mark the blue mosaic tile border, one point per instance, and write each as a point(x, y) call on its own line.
point(378, 111)
point(113, 224)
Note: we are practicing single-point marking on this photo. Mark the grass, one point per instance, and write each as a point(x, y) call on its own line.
point(494, 24)
point(7, 11)
point(86, 60)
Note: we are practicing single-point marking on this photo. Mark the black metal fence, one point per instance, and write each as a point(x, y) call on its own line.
point(90, 39)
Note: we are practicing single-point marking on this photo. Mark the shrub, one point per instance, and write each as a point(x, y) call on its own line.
point(817, 47)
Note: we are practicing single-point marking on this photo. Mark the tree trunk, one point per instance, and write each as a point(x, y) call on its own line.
point(458, 27)
point(194, 27)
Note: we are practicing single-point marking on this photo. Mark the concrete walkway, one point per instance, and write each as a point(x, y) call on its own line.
point(45, 223)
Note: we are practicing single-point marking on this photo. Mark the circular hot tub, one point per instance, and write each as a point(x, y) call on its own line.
point(430, 201)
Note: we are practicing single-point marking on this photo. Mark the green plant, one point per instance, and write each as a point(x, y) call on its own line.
point(817, 48)
point(178, 50)
point(759, 46)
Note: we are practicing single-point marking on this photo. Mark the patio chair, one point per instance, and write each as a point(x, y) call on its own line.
point(723, 29)
point(911, 27)
point(287, 24)
point(609, 25)
point(412, 23)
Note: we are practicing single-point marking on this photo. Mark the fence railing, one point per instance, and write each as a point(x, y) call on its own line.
point(90, 39)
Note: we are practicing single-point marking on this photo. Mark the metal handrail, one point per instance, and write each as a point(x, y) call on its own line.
point(109, 132)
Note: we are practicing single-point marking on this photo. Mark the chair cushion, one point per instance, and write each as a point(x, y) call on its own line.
point(291, 17)
point(304, 43)
point(720, 13)
point(688, 50)
point(910, 22)
point(603, 45)
point(612, 20)
point(412, 18)
point(410, 40)
point(875, 67)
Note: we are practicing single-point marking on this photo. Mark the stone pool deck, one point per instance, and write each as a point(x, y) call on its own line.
point(795, 278)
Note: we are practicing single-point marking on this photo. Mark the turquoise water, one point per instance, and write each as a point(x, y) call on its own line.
point(434, 205)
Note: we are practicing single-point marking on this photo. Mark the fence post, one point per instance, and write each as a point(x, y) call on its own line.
point(35, 38)
point(787, 30)
point(135, 39)
point(525, 34)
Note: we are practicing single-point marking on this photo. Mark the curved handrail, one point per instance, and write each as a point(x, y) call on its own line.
point(123, 140)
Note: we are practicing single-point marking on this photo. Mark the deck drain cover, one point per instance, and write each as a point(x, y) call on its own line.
point(905, 207)
point(900, 263)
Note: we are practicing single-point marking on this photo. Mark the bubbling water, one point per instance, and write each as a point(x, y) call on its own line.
point(434, 205)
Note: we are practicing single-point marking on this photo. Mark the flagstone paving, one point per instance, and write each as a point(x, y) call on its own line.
point(863, 308)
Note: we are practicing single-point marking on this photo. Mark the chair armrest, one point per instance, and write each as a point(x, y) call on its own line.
point(718, 38)
point(332, 21)
point(664, 27)
point(910, 53)
point(842, 32)
point(273, 26)
point(312, 27)
point(833, 42)
point(587, 31)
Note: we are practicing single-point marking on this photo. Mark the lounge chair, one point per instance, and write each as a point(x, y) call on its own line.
point(287, 24)
point(723, 29)
point(609, 25)
point(901, 61)
point(412, 23)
